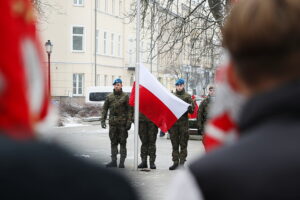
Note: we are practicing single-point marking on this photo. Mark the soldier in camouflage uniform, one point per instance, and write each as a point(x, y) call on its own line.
point(148, 134)
point(120, 114)
point(203, 111)
point(179, 132)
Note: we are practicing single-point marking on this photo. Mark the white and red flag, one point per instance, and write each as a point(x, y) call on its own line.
point(157, 103)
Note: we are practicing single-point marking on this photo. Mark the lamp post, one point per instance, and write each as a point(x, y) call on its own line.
point(49, 46)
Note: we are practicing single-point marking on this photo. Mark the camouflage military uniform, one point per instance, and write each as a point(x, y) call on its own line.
point(203, 114)
point(119, 116)
point(148, 134)
point(179, 132)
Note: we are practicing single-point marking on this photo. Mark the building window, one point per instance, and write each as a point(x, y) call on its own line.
point(113, 7)
point(78, 84)
point(112, 78)
point(97, 41)
point(78, 2)
point(130, 57)
point(105, 80)
point(97, 4)
point(104, 42)
point(77, 38)
point(120, 8)
point(98, 80)
point(112, 44)
point(119, 45)
point(106, 6)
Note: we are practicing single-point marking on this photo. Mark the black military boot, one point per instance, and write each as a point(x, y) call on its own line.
point(113, 163)
point(174, 166)
point(152, 165)
point(143, 164)
point(121, 164)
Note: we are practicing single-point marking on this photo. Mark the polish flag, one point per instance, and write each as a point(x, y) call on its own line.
point(157, 103)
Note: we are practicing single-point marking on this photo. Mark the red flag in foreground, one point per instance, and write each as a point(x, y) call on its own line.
point(158, 104)
point(221, 128)
point(23, 88)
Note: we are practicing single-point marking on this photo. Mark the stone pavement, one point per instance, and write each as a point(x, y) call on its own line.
point(92, 142)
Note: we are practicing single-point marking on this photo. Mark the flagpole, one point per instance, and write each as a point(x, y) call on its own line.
point(137, 85)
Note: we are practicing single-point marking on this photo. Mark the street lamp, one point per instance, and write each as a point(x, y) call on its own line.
point(49, 46)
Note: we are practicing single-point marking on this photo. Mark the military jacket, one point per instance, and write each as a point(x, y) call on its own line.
point(119, 110)
point(188, 99)
point(202, 115)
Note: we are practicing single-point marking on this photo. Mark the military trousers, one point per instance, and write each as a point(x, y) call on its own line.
point(118, 135)
point(148, 134)
point(179, 136)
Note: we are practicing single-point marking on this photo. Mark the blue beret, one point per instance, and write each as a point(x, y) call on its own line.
point(180, 81)
point(118, 80)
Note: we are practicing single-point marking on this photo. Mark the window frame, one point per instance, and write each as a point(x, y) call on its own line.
point(105, 40)
point(83, 39)
point(77, 3)
point(112, 44)
point(77, 84)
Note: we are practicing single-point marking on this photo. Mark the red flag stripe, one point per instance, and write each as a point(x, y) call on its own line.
point(163, 117)
point(223, 122)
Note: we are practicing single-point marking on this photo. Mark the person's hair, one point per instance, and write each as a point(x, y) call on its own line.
point(263, 39)
point(211, 88)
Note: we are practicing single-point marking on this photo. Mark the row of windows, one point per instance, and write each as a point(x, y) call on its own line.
point(113, 7)
point(111, 43)
point(107, 80)
point(78, 82)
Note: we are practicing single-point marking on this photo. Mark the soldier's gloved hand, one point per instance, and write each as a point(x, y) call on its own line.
point(103, 125)
point(128, 125)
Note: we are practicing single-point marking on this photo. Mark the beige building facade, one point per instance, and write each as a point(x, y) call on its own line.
point(79, 35)
point(94, 43)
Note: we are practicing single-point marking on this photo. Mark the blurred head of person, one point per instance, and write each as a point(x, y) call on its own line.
point(263, 39)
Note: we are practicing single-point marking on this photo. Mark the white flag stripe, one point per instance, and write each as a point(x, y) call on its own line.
point(218, 134)
point(176, 105)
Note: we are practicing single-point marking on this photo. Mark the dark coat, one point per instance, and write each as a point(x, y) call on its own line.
point(265, 162)
point(34, 170)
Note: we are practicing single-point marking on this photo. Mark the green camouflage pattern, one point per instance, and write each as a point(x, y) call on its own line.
point(179, 134)
point(148, 135)
point(203, 114)
point(120, 114)
point(118, 135)
point(188, 99)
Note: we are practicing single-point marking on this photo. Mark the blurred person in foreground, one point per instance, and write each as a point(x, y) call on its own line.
point(31, 169)
point(263, 39)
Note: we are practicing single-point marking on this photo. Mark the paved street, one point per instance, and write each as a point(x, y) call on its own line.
point(92, 142)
